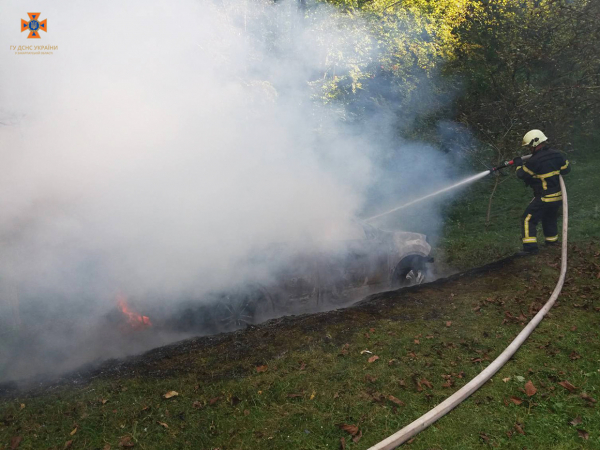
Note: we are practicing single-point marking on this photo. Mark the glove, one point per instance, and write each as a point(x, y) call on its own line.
point(518, 161)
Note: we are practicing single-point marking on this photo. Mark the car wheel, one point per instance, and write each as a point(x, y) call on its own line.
point(241, 307)
point(411, 271)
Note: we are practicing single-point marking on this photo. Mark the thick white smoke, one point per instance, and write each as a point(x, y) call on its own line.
point(165, 141)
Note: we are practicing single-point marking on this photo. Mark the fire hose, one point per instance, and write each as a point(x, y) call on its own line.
point(462, 394)
point(506, 164)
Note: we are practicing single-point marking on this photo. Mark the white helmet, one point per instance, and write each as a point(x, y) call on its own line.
point(534, 138)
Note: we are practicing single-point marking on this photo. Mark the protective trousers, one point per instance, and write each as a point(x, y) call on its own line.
point(540, 210)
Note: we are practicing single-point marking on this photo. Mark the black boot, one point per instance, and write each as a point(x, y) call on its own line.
point(528, 252)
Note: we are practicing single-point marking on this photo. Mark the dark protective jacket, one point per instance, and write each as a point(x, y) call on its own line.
point(541, 172)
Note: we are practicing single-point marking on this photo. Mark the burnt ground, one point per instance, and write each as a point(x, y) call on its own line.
point(166, 361)
point(278, 382)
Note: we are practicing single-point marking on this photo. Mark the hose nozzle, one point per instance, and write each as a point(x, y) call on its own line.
point(506, 164)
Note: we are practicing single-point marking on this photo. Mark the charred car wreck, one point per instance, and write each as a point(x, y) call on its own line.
point(308, 279)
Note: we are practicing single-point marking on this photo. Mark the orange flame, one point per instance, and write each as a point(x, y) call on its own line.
point(134, 319)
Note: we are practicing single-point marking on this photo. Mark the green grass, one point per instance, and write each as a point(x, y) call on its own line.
point(468, 242)
point(311, 385)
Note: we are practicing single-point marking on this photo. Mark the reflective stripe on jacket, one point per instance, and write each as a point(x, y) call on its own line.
point(541, 172)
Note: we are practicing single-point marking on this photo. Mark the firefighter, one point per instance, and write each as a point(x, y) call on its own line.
point(541, 172)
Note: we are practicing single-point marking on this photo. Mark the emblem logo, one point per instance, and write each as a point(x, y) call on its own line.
point(34, 25)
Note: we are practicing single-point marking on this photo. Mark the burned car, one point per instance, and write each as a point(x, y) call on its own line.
point(306, 278)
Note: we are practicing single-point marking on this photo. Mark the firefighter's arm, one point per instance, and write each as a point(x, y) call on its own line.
point(524, 173)
point(566, 167)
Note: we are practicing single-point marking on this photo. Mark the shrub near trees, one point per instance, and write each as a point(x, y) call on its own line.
point(527, 65)
point(509, 65)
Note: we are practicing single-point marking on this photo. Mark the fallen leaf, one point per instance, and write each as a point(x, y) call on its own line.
point(22, 406)
point(15, 442)
point(336, 395)
point(162, 424)
point(246, 412)
point(370, 378)
point(516, 400)
point(171, 394)
point(366, 351)
point(506, 379)
point(197, 405)
point(261, 369)
point(395, 400)
point(576, 421)
point(68, 444)
point(342, 444)
point(103, 401)
point(484, 437)
point(72, 433)
point(519, 428)
point(426, 383)
point(568, 386)
point(417, 341)
point(391, 361)
point(530, 389)
point(583, 434)
point(106, 447)
point(350, 429)
point(574, 328)
point(587, 397)
point(373, 358)
point(376, 397)
point(357, 437)
point(312, 396)
point(126, 442)
point(372, 330)
point(302, 366)
point(294, 395)
point(447, 384)
point(574, 355)
point(212, 401)
point(449, 323)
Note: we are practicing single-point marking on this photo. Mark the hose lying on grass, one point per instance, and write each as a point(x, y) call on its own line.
point(462, 394)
